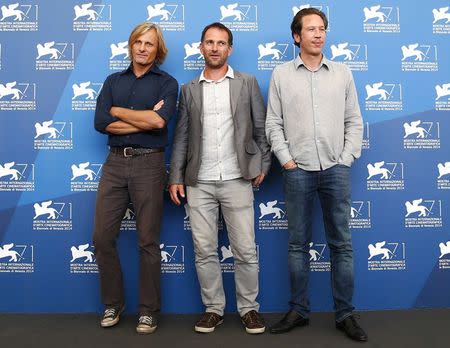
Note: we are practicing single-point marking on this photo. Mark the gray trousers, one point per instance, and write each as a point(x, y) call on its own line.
point(235, 198)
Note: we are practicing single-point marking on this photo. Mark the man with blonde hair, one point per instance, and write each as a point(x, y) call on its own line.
point(133, 109)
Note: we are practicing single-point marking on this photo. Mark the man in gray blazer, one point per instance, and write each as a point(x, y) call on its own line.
point(219, 151)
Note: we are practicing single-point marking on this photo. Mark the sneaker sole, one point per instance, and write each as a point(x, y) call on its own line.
point(146, 330)
point(206, 329)
point(255, 331)
point(112, 322)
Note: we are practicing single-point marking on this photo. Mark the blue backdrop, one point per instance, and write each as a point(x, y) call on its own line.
point(54, 57)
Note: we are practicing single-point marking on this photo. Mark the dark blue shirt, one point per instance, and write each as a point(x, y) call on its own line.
point(124, 89)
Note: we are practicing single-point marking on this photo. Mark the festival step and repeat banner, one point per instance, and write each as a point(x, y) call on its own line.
point(54, 57)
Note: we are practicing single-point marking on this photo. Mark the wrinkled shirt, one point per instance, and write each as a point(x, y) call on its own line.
point(124, 89)
point(219, 157)
point(313, 117)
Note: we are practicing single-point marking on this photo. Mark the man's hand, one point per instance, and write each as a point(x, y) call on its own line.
point(290, 165)
point(115, 111)
point(158, 105)
point(258, 180)
point(174, 190)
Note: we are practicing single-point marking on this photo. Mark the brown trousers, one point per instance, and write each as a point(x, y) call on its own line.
point(140, 180)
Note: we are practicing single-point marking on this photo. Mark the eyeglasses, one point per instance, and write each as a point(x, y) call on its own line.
point(211, 43)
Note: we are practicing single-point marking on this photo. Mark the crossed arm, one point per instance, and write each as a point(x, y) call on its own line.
point(115, 120)
point(134, 121)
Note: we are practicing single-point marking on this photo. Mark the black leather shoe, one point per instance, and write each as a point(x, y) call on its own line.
point(289, 321)
point(352, 329)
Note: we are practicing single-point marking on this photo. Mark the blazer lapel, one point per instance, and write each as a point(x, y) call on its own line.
point(197, 95)
point(235, 91)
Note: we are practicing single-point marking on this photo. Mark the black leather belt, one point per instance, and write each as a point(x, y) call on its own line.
point(130, 151)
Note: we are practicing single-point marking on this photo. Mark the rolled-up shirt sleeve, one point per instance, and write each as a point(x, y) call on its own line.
point(104, 103)
point(168, 93)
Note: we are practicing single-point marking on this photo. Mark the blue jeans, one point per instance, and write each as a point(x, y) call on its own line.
point(333, 187)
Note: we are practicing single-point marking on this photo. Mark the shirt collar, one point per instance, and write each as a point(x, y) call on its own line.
point(153, 69)
point(229, 74)
point(298, 62)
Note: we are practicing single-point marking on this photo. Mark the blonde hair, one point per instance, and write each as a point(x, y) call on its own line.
point(141, 29)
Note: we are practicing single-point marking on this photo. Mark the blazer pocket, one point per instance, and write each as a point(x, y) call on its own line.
point(251, 147)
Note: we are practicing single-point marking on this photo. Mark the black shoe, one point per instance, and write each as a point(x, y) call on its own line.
point(111, 316)
point(147, 324)
point(289, 321)
point(352, 329)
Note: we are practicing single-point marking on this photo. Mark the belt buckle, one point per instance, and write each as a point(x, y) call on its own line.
point(125, 152)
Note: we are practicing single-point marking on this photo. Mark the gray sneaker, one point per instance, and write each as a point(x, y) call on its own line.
point(111, 316)
point(147, 324)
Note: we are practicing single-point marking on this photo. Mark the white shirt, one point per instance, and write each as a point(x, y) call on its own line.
point(219, 159)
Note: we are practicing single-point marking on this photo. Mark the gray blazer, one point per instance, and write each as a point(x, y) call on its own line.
point(249, 116)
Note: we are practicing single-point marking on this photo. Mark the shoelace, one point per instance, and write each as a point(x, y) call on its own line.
point(145, 319)
point(210, 317)
point(111, 312)
point(252, 317)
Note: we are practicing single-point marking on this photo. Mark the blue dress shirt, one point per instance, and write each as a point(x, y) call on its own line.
point(124, 89)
